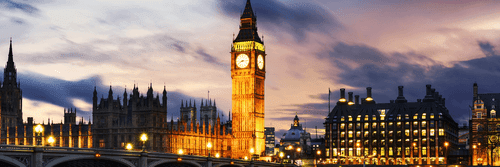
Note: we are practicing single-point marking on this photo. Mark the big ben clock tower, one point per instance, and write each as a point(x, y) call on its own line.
point(248, 73)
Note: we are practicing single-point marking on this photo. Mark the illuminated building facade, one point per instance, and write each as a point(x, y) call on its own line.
point(118, 122)
point(398, 132)
point(270, 140)
point(484, 143)
point(248, 75)
point(11, 113)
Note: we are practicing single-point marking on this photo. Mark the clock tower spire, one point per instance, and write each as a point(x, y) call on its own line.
point(248, 76)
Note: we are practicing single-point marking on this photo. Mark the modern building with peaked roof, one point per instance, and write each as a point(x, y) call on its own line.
point(399, 132)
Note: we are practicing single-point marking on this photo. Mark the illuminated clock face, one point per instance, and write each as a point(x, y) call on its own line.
point(242, 61)
point(260, 62)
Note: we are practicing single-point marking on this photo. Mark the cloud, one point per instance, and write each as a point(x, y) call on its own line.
point(296, 19)
point(124, 52)
point(208, 58)
point(26, 8)
point(375, 70)
point(17, 20)
point(487, 48)
point(45, 91)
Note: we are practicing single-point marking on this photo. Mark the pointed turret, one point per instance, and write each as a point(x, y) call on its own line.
point(201, 103)
point(182, 103)
point(125, 98)
point(10, 72)
point(164, 98)
point(248, 26)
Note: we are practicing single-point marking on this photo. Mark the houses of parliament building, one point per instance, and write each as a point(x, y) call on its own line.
point(117, 122)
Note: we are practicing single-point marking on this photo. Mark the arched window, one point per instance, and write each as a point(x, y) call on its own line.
point(493, 113)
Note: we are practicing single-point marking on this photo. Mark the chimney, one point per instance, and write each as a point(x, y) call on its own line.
point(400, 98)
point(369, 95)
point(342, 93)
point(428, 94)
point(356, 99)
point(350, 98)
point(342, 96)
point(368, 92)
point(475, 91)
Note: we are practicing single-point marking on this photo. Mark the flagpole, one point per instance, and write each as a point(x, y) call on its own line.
point(329, 92)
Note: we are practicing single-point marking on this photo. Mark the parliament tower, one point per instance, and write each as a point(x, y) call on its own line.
point(248, 75)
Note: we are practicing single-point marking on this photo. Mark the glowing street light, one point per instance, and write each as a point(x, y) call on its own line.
point(180, 152)
point(144, 138)
point(209, 146)
point(128, 146)
point(446, 153)
point(51, 140)
point(251, 153)
point(39, 130)
point(318, 153)
point(217, 155)
point(281, 157)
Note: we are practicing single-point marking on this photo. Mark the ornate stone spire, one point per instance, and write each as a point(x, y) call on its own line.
point(248, 26)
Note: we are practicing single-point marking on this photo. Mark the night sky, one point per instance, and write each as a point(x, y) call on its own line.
point(63, 49)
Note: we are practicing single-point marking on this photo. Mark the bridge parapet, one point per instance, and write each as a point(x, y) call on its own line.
point(33, 156)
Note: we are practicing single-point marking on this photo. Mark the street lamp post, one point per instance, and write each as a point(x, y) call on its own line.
point(446, 152)
point(144, 138)
point(209, 146)
point(318, 153)
point(251, 153)
point(281, 158)
point(51, 140)
point(298, 150)
point(38, 130)
point(473, 153)
point(128, 146)
point(412, 153)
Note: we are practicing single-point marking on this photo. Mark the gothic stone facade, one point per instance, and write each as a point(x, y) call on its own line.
point(484, 145)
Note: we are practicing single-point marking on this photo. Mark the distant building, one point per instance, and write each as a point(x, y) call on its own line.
point(16, 132)
point(484, 129)
point(270, 139)
point(296, 142)
point(398, 132)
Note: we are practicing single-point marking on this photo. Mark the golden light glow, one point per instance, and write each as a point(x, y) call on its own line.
point(209, 145)
point(357, 144)
point(474, 146)
point(298, 149)
point(446, 144)
point(342, 100)
point(369, 99)
point(290, 147)
point(180, 152)
point(217, 155)
point(179, 159)
point(414, 144)
point(39, 128)
point(246, 158)
point(281, 155)
point(129, 146)
point(252, 150)
point(51, 140)
point(144, 137)
point(97, 155)
point(318, 152)
point(350, 103)
point(248, 45)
